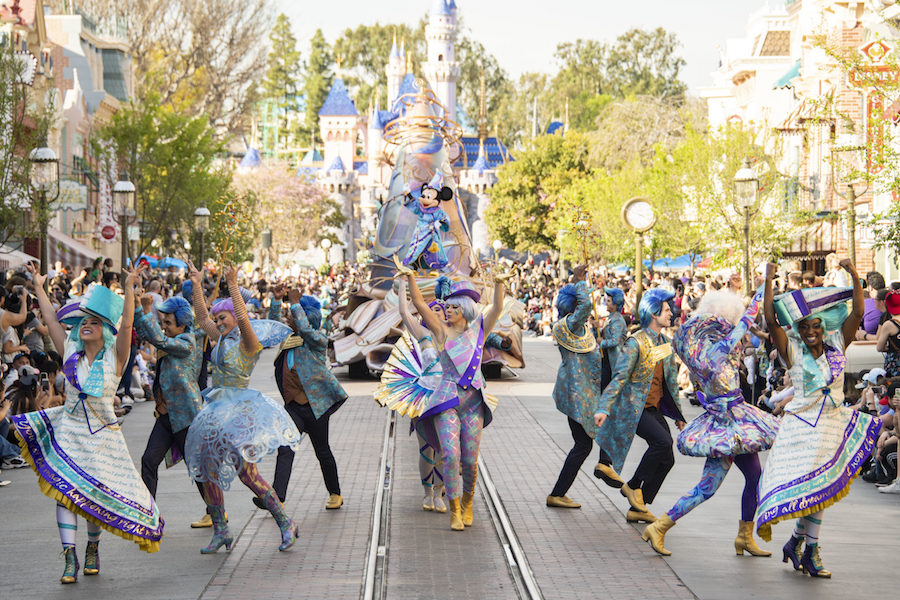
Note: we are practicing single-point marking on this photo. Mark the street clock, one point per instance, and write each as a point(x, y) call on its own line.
point(638, 215)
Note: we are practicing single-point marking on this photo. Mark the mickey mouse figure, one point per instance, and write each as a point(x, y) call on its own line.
point(426, 249)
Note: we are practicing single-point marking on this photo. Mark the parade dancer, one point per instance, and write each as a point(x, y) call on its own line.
point(409, 380)
point(78, 450)
point(175, 388)
point(821, 444)
point(238, 426)
point(644, 390)
point(612, 339)
point(461, 410)
point(310, 390)
point(729, 430)
point(577, 390)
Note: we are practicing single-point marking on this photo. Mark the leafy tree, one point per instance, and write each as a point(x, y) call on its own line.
point(476, 62)
point(645, 62)
point(170, 158)
point(318, 82)
point(528, 189)
point(282, 79)
point(23, 126)
point(296, 210)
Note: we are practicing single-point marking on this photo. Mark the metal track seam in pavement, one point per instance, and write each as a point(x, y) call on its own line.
point(519, 569)
point(374, 583)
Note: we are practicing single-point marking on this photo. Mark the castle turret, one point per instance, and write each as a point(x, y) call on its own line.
point(339, 125)
point(441, 69)
point(395, 70)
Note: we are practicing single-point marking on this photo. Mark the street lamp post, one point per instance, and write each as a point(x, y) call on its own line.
point(45, 182)
point(639, 216)
point(123, 192)
point(496, 245)
point(201, 224)
point(326, 245)
point(746, 187)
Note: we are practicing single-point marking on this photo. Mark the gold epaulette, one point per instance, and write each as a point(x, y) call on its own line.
point(579, 344)
point(292, 342)
point(649, 355)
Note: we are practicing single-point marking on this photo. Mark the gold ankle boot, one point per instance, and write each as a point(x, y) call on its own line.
point(456, 520)
point(468, 500)
point(633, 516)
point(335, 501)
point(655, 533)
point(745, 541)
point(635, 498)
point(562, 502)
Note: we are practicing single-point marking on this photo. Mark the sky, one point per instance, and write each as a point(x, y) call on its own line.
point(523, 35)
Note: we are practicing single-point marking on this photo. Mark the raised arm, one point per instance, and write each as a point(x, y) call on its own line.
point(201, 314)
point(432, 322)
point(859, 304)
point(492, 314)
point(747, 320)
point(57, 332)
point(123, 339)
point(148, 328)
point(249, 341)
point(314, 338)
point(414, 327)
point(583, 301)
point(779, 337)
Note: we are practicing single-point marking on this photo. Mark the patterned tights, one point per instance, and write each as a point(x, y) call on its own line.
point(429, 464)
point(67, 523)
point(714, 472)
point(459, 433)
point(249, 476)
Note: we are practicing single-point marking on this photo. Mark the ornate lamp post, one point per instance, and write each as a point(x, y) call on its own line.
point(123, 193)
point(201, 224)
point(497, 245)
point(45, 183)
point(746, 188)
point(639, 216)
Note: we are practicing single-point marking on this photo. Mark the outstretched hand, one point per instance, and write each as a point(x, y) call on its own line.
point(133, 275)
point(36, 277)
point(599, 419)
point(230, 274)
point(194, 275)
point(846, 264)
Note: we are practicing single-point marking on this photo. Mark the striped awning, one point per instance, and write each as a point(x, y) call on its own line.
point(10, 259)
point(69, 251)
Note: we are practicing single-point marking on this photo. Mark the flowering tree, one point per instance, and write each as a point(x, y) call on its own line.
point(293, 208)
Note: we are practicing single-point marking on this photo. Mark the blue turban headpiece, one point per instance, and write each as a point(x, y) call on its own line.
point(566, 300)
point(187, 291)
point(180, 308)
point(313, 309)
point(651, 304)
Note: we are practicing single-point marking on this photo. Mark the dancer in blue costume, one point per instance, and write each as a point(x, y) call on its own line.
point(460, 410)
point(310, 390)
point(821, 444)
point(578, 384)
point(238, 426)
point(78, 450)
point(729, 431)
point(643, 391)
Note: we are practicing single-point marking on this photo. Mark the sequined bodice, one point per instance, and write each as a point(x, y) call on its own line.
point(232, 366)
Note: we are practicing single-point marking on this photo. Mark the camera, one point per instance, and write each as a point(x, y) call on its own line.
point(45, 382)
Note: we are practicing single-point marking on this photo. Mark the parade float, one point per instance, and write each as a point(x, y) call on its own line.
point(422, 226)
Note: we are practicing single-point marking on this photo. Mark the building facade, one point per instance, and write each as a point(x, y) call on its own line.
point(815, 116)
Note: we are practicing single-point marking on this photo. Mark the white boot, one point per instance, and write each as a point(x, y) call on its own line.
point(428, 500)
point(440, 501)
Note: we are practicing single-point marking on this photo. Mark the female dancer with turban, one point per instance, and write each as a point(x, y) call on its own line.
point(460, 411)
point(730, 430)
point(78, 450)
point(821, 444)
point(238, 426)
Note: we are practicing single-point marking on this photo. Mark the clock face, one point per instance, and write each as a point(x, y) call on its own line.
point(638, 214)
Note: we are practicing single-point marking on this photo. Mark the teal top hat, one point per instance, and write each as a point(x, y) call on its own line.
point(97, 301)
point(809, 302)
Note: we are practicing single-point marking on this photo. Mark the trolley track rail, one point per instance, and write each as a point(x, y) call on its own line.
point(375, 578)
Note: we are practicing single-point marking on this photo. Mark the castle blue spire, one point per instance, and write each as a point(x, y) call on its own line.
point(440, 7)
point(451, 4)
point(481, 165)
point(336, 165)
point(394, 52)
point(338, 102)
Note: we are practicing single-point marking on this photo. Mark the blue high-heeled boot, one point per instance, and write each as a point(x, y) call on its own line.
point(289, 529)
point(791, 551)
point(221, 536)
point(812, 562)
point(70, 572)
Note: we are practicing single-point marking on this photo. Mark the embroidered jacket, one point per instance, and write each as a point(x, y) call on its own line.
point(308, 356)
point(624, 398)
point(577, 389)
point(176, 370)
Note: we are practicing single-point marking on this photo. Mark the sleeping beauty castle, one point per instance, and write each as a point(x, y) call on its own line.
point(354, 167)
